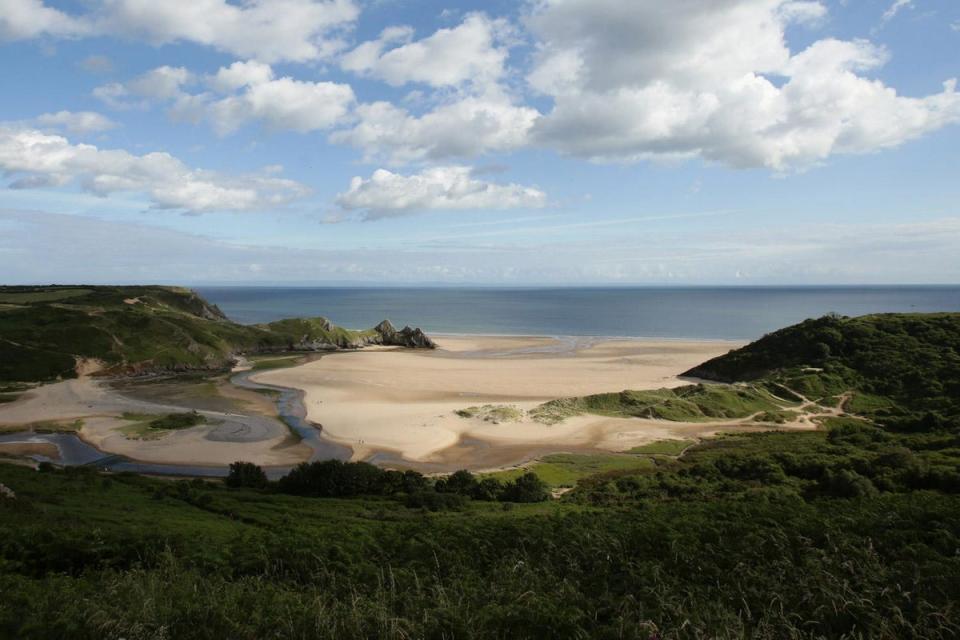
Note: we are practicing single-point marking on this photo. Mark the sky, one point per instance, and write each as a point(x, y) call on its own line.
point(537, 142)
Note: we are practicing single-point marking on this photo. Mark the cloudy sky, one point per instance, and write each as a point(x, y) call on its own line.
point(496, 142)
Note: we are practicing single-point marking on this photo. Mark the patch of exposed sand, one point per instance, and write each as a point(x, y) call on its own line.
point(226, 438)
point(403, 401)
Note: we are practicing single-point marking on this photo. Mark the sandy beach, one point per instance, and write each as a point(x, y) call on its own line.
point(399, 404)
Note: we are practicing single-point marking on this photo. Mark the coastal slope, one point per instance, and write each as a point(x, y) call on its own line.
point(46, 331)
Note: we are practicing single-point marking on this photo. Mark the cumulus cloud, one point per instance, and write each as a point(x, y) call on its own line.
point(269, 30)
point(77, 122)
point(439, 188)
point(473, 51)
point(243, 92)
point(23, 19)
point(38, 159)
point(466, 126)
point(714, 79)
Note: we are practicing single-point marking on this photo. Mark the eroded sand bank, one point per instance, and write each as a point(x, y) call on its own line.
point(403, 401)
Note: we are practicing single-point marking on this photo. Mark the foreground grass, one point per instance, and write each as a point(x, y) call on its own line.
point(90, 556)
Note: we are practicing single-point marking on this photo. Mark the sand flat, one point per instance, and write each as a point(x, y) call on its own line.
point(226, 438)
point(403, 401)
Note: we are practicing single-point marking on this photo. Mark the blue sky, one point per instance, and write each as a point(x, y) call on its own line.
point(541, 142)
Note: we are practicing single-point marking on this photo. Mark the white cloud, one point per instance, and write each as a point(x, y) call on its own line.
point(714, 79)
point(79, 122)
point(895, 8)
point(269, 30)
point(473, 51)
point(444, 188)
point(38, 159)
point(162, 83)
point(465, 127)
point(243, 92)
point(22, 19)
point(240, 74)
point(116, 96)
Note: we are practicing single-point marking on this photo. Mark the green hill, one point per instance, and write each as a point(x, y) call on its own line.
point(44, 330)
point(902, 366)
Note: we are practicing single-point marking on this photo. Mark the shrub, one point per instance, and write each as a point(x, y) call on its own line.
point(246, 474)
point(527, 488)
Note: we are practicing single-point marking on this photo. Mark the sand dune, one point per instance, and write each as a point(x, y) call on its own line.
point(403, 401)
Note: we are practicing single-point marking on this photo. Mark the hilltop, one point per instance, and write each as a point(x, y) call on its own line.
point(45, 331)
point(904, 368)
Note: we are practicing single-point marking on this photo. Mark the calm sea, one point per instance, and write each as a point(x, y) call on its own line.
point(740, 313)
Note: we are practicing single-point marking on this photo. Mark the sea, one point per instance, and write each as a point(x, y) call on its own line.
point(734, 313)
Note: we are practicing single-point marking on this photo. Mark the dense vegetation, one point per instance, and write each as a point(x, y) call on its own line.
point(44, 330)
point(851, 531)
point(908, 363)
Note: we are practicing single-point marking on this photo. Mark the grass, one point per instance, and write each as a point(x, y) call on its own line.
point(8, 397)
point(776, 417)
point(566, 469)
point(45, 426)
point(495, 413)
point(42, 296)
point(149, 426)
point(868, 403)
point(275, 363)
point(663, 447)
point(691, 403)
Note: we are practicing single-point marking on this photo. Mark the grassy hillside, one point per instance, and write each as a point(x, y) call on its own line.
point(43, 330)
point(697, 403)
point(906, 367)
point(811, 535)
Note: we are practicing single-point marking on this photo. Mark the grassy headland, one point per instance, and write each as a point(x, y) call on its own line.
point(45, 330)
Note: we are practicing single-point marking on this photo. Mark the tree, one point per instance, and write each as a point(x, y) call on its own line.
point(527, 488)
point(246, 474)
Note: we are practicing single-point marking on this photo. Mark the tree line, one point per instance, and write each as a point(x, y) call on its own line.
point(338, 479)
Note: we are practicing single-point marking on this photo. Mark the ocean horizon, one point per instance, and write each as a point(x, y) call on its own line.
point(692, 312)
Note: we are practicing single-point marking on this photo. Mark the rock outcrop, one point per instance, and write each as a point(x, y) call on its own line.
point(410, 337)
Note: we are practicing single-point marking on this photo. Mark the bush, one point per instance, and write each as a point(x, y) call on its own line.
point(527, 488)
point(246, 474)
point(335, 479)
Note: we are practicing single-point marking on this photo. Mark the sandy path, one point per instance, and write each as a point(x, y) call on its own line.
point(403, 401)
